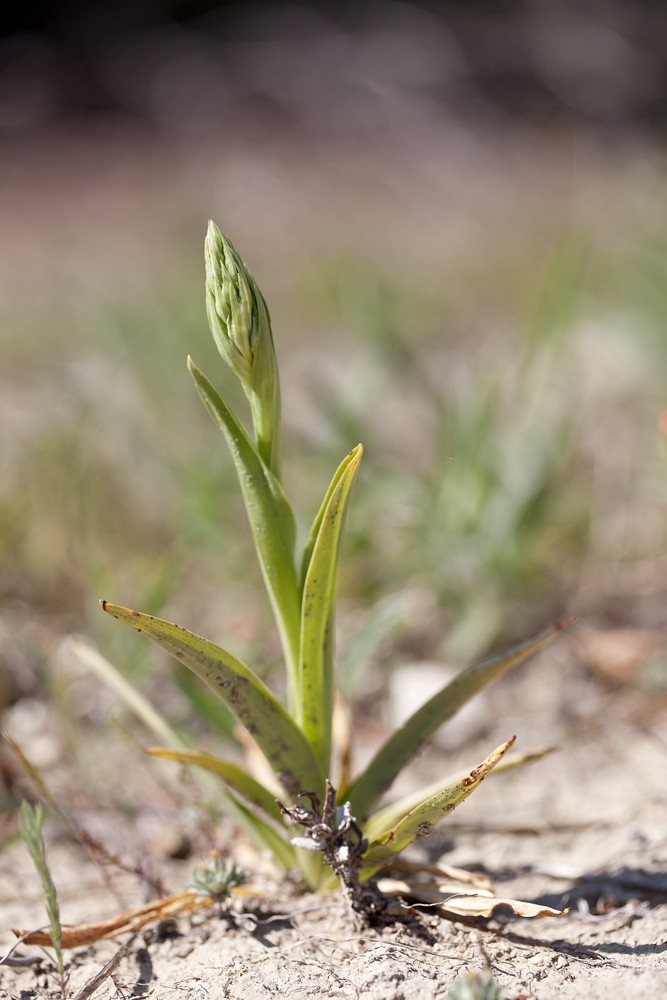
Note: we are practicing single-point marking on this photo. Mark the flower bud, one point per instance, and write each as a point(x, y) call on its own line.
point(241, 327)
point(236, 309)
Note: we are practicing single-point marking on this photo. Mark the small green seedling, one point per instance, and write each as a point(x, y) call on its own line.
point(216, 877)
point(348, 830)
point(476, 986)
point(31, 821)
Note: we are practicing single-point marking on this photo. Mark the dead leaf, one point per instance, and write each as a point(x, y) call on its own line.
point(440, 870)
point(464, 903)
point(480, 906)
point(426, 892)
point(131, 920)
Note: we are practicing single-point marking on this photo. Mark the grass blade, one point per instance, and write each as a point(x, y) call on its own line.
point(31, 821)
point(271, 522)
point(317, 611)
point(76, 649)
point(386, 842)
point(385, 619)
point(403, 745)
point(245, 695)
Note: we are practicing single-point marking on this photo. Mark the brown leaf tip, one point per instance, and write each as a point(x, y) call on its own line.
point(566, 622)
point(104, 605)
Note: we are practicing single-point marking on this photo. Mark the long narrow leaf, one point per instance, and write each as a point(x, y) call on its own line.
point(317, 523)
point(263, 834)
point(232, 775)
point(317, 613)
point(466, 903)
point(264, 394)
point(260, 832)
point(271, 522)
point(245, 695)
point(422, 820)
point(77, 649)
point(403, 745)
point(385, 818)
point(239, 782)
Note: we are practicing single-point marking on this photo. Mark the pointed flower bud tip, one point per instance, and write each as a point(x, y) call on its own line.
point(236, 309)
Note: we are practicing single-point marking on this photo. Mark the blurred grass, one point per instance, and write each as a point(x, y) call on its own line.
point(507, 395)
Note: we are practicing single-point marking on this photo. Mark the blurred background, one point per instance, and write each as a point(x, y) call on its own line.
point(456, 212)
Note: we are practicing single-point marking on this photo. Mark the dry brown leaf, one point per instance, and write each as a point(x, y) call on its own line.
point(481, 906)
point(440, 870)
point(131, 920)
point(421, 891)
point(462, 902)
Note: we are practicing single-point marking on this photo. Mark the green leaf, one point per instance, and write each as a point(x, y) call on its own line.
point(386, 618)
point(317, 611)
point(239, 782)
point(389, 815)
point(31, 821)
point(271, 522)
point(388, 841)
point(264, 394)
point(234, 776)
point(245, 695)
point(317, 523)
point(261, 832)
point(403, 745)
point(89, 657)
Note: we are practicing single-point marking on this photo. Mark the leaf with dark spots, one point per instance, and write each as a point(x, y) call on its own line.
point(319, 572)
point(390, 832)
point(244, 694)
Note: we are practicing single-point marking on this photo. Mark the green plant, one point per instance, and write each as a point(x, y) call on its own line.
point(215, 878)
point(296, 738)
point(476, 986)
point(31, 821)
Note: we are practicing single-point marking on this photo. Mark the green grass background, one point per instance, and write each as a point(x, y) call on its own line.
point(490, 322)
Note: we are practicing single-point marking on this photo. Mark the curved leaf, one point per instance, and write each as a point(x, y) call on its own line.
point(264, 395)
point(89, 657)
point(406, 742)
point(465, 903)
point(422, 820)
point(245, 695)
point(471, 905)
point(238, 781)
point(386, 817)
point(317, 523)
point(317, 611)
point(271, 522)
point(234, 776)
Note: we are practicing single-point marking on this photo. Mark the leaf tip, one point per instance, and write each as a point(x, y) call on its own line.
point(103, 604)
point(565, 623)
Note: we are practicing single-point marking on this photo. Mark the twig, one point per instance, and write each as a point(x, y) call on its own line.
point(94, 984)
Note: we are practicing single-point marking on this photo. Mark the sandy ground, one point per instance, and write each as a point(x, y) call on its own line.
point(583, 828)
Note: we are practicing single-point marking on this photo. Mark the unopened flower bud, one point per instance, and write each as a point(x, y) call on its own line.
point(241, 327)
point(236, 309)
